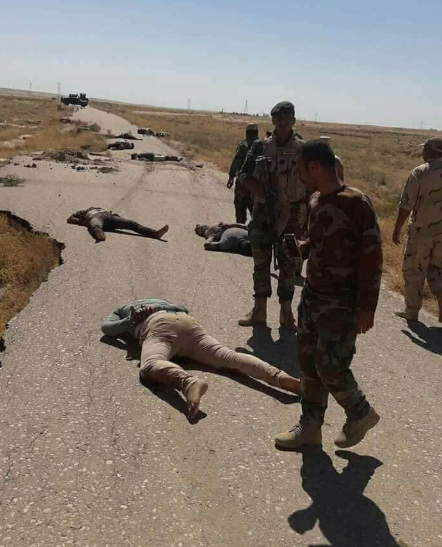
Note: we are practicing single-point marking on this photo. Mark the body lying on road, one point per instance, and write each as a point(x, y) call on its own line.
point(98, 220)
point(151, 156)
point(166, 330)
point(121, 146)
point(225, 237)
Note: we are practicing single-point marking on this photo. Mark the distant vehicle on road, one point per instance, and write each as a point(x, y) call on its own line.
point(75, 99)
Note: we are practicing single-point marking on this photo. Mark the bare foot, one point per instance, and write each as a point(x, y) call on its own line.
point(194, 395)
point(289, 383)
point(99, 234)
point(163, 231)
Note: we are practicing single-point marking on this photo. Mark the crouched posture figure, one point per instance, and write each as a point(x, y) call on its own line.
point(98, 220)
point(166, 330)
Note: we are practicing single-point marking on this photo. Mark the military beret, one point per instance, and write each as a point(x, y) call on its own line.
point(252, 127)
point(284, 107)
point(433, 144)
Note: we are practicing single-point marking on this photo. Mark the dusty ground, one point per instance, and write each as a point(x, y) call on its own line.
point(90, 458)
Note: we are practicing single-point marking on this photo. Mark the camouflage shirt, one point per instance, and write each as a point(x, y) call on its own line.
point(277, 167)
point(345, 247)
point(422, 195)
point(239, 158)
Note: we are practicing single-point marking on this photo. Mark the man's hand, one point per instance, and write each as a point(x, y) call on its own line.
point(364, 321)
point(230, 182)
point(139, 315)
point(397, 237)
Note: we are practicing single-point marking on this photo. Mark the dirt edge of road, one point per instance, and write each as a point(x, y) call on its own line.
point(27, 258)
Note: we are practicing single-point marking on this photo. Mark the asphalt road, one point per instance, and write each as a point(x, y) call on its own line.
point(91, 458)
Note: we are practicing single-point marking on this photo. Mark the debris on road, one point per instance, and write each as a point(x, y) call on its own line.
point(69, 156)
point(33, 165)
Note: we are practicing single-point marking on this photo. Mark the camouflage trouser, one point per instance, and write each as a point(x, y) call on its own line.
point(262, 258)
point(422, 260)
point(243, 201)
point(326, 341)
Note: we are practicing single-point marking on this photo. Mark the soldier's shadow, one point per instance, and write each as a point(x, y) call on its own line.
point(281, 352)
point(429, 338)
point(344, 515)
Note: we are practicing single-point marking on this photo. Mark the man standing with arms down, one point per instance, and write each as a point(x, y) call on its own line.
point(338, 301)
point(271, 173)
point(243, 198)
point(422, 196)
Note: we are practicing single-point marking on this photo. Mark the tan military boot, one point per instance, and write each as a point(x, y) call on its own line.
point(286, 318)
point(258, 315)
point(409, 315)
point(303, 434)
point(353, 432)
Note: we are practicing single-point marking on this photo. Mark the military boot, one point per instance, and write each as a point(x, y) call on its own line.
point(355, 430)
point(303, 434)
point(286, 318)
point(409, 315)
point(258, 315)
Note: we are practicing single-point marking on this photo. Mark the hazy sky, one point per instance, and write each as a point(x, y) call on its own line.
point(370, 61)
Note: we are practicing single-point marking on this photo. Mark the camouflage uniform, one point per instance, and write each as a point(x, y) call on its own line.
point(243, 197)
point(422, 195)
point(343, 275)
point(290, 193)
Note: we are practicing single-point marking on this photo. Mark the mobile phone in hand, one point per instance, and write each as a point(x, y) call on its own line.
point(291, 244)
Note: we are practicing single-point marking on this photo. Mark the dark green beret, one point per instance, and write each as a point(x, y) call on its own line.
point(284, 107)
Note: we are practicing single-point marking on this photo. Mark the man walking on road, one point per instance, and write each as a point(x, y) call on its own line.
point(98, 220)
point(165, 330)
point(422, 197)
point(225, 237)
point(243, 198)
point(338, 301)
point(271, 173)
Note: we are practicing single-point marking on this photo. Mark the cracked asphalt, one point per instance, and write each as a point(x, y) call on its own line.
point(89, 457)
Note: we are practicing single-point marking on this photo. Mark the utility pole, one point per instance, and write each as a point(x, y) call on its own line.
point(58, 88)
point(30, 88)
point(422, 125)
point(246, 108)
point(188, 104)
point(316, 117)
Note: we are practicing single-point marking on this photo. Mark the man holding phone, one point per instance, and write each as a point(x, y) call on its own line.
point(338, 301)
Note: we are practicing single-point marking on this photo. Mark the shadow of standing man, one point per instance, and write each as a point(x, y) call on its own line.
point(345, 516)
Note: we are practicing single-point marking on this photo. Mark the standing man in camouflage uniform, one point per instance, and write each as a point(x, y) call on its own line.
point(271, 173)
point(338, 300)
point(422, 197)
point(243, 197)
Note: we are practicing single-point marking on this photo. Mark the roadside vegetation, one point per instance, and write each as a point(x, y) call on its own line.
point(32, 124)
point(377, 160)
point(26, 258)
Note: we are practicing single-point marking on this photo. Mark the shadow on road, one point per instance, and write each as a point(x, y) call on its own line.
point(429, 338)
point(281, 353)
point(345, 516)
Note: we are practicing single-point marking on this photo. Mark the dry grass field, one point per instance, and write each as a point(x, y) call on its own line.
point(38, 120)
point(377, 160)
point(25, 261)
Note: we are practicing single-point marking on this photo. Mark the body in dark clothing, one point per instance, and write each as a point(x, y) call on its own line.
point(99, 220)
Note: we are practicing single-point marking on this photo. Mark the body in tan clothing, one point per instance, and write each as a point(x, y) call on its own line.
point(167, 334)
point(421, 201)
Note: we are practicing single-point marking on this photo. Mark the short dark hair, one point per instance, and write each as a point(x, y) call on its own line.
point(319, 152)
